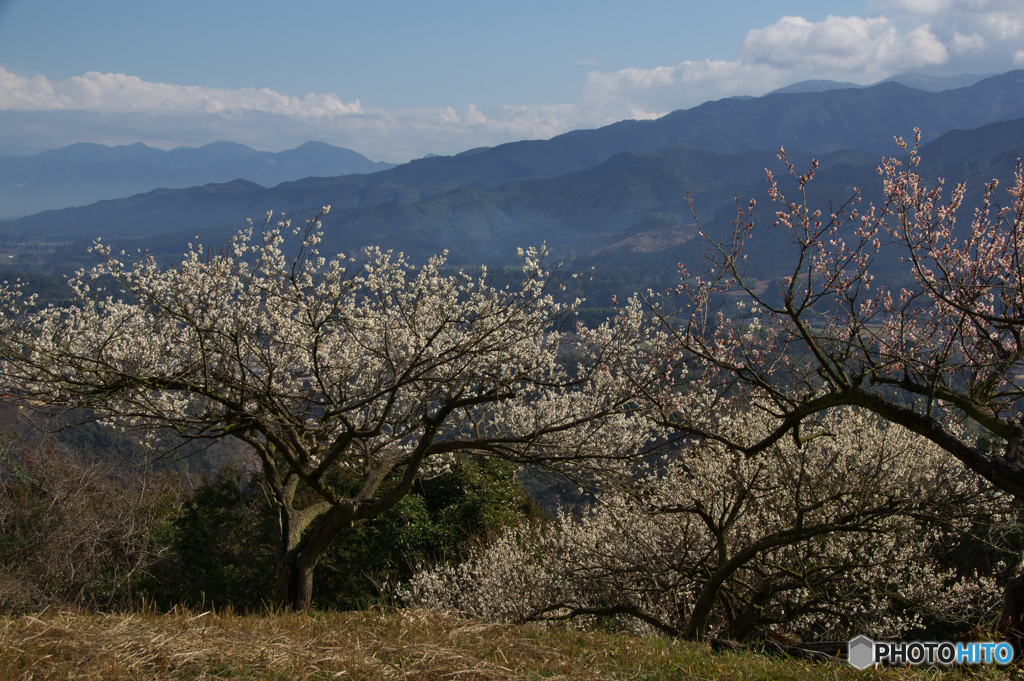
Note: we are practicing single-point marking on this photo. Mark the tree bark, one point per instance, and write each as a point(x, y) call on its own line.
point(298, 554)
point(743, 625)
point(696, 628)
point(295, 584)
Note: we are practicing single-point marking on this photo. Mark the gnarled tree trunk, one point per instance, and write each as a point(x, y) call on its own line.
point(302, 537)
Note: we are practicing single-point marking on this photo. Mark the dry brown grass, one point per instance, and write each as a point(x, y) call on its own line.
point(397, 644)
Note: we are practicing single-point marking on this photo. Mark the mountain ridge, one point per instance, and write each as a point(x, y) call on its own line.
point(629, 210)
point(918, 81)
point(815, 123)
point(84, 173)
point(633, 208)
point(865, 119)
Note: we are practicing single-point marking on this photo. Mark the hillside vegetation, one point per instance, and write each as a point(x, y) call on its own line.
point(846, 461)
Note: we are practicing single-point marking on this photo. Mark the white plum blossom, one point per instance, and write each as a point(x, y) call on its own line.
point(349, 376)
point(828, 540)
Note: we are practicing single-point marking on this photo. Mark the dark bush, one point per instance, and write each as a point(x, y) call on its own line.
point(221, 547)
point(221, 550)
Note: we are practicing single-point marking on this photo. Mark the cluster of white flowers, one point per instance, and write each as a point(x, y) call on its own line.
point(349, 370)
point(824, 540)
point(314, 351)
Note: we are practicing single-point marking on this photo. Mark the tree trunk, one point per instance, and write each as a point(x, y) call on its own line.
point(1011, 619)
point(743, 625)
point(697, 627)
point(298, 553)
point(295, 585)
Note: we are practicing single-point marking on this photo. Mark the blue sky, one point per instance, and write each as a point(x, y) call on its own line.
point(397, 79)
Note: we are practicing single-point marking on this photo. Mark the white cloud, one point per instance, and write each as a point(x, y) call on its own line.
point(387, 134)
point(1004, 24)
point(649, 93)
point(791, 49)
point(942, 37)
point(924, 8)
point(872, 48)
point(995, 21)
point(117, 92)
point(962, 44)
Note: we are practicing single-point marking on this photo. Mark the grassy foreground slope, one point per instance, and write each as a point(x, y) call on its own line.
point(407, 644)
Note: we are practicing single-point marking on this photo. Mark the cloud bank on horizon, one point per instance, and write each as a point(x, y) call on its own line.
point(932, 36)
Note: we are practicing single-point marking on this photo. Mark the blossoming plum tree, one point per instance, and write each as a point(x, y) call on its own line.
point(827, 335)
point(830, 539)
point(349, 378)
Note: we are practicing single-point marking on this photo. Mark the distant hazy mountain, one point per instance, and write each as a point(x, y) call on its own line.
point(632, 211)
point(918, 81)
point(937, 83)
point(627, 216)
point(815, 86)
point(578, 186)
point(84, 173)
point(629, 212)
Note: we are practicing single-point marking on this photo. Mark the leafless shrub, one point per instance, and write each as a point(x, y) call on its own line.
point(75, 531)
